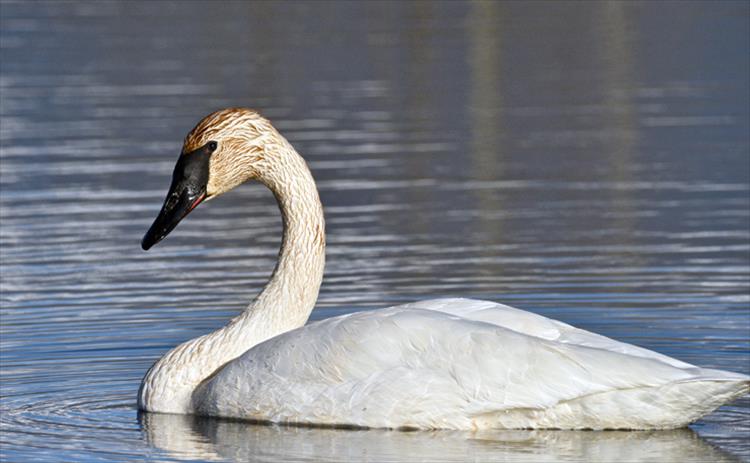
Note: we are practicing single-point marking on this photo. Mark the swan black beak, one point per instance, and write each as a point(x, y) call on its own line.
point(188, 189)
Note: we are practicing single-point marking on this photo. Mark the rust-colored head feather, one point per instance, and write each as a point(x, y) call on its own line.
point(244, 139)
point(221, 123)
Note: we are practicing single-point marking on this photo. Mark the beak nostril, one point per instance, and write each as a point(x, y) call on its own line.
point(172, 201)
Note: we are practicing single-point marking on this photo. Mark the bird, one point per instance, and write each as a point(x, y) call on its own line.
point(436, 364)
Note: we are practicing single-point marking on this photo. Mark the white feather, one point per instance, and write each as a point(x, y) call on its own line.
point(423, 365)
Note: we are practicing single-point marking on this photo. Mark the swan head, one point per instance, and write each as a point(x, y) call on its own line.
point(225, 149)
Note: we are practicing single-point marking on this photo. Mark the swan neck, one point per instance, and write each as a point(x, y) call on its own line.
point(289, 297)
point(284, 304)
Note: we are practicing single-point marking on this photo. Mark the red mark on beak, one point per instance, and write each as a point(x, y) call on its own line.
point(197, 201)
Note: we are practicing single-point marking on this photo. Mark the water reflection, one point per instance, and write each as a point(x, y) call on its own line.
point(188, 437)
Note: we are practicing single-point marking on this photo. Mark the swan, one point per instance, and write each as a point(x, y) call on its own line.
point(437, 364)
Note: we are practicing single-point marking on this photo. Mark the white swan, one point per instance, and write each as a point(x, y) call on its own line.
point(448, 363)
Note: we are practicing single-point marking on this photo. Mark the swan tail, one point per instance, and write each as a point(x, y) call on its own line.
point(710, 389)
point(707, 374)
point(682, 402)
point(672, 405)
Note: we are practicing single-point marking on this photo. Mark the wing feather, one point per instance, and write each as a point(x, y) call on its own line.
point(431, 364)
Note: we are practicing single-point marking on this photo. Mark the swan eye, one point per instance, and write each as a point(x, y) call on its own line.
point(212, 145)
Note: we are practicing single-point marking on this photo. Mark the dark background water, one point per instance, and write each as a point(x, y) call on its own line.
point(586, 161)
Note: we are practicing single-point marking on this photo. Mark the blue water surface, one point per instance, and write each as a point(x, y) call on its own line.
point(585, 161)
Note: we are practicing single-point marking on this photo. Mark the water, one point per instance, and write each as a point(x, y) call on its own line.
point(585, 161)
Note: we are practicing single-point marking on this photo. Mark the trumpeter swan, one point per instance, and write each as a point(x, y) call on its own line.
point(445, 363)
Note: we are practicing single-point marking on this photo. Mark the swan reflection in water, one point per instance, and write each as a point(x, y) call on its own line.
point(192, 437)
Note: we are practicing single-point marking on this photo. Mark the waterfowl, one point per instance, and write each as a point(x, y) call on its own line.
point(444, 363)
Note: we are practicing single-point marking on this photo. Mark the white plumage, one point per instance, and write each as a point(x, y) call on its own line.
point(444, 363)
point(461, 364)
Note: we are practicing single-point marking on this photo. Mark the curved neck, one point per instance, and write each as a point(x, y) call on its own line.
point(289, 297)
point(284, 304)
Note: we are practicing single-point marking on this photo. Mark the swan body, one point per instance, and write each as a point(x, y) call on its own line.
point(460, 364)
point(444, 363)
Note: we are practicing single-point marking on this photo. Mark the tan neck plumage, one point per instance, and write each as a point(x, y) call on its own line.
point(288, 298)
point(284, 304)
